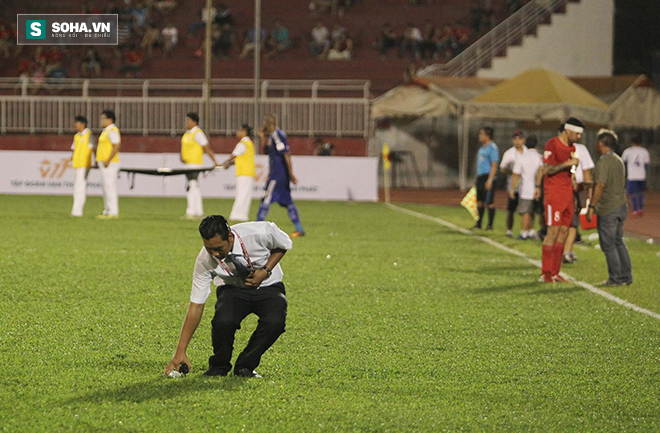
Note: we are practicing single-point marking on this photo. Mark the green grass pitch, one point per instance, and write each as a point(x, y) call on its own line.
point(396, 324)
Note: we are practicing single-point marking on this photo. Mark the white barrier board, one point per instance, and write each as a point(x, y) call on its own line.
point(320, 178)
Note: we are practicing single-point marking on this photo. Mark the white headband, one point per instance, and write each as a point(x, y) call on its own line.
point(574, 128)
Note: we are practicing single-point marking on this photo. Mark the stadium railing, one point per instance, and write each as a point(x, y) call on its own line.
point(309, 115)
point(495, 42)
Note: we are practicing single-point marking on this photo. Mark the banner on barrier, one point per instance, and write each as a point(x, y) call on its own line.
point(320, 178)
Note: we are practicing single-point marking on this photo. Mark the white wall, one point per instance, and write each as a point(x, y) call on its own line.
point(577, 43)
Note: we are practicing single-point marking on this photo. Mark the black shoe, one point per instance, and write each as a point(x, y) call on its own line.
point(476, 227)
point(489, 227)
point(246, 372)
point(215, 371)
point(608, 283)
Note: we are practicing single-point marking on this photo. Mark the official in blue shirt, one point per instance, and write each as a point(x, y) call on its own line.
point(488, 159)
point(280, 174)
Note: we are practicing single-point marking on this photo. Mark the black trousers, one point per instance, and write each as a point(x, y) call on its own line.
point(235, 304)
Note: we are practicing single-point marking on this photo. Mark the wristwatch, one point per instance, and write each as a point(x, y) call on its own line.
point(268, 271)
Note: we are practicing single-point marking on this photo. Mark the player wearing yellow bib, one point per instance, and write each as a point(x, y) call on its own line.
point(82, 148)
point(107, 159)
point(243, 157)
point(193, 146)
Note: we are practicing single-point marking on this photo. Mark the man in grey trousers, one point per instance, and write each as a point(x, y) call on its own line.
point(609, 204)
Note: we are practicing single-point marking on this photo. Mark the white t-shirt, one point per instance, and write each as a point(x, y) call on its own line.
point(508, 160)
point(113, 135)
point(200, 137)
point(320, 34)
point(259, 238)
point(586, 163)
point(526, 166)
point(85, 131)
point(636, 159)
point(241, 147)
point(172, 33)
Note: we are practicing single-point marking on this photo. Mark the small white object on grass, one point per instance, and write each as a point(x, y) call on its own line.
point(174, 374)
point(650, 241)
point(597, 246)
point(396, 264)
point(328, 256)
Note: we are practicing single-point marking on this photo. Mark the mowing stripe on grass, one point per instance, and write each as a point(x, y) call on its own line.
point(536, 263)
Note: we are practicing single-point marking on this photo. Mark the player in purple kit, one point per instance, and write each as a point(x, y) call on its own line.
point(280, 174)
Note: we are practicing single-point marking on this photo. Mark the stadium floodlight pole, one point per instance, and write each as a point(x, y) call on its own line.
point(207, 68)
point(257, 66)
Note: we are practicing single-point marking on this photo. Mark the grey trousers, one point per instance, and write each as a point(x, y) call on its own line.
point(610, 232)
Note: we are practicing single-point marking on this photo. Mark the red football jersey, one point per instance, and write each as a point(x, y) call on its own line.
point(555, 153)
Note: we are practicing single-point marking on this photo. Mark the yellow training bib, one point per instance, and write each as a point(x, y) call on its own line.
point(104, 148)
point(82, 154)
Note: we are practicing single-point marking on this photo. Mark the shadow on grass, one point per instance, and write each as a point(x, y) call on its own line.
point(493, 269)
point(549, 289)
point(162, 388)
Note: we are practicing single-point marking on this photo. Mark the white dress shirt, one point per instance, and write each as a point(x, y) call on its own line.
point(259, 238)
point(586, 163)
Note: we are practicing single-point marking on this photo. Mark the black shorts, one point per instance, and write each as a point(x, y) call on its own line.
point(512, 203)
point(486, 197)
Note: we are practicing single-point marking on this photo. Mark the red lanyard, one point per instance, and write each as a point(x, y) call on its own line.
point(245, 253)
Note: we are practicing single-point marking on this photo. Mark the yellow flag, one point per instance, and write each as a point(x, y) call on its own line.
point(469, 202)
point(387, 164)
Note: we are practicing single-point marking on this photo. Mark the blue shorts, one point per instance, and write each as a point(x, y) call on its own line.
point(277, 191)
point(635, 186)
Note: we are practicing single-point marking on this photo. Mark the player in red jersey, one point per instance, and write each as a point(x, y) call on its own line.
point(559, 163)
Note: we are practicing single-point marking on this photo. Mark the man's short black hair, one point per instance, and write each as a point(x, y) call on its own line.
point(531, 142)
point(81, 119)
point(110, 115)
point(193, 116)
point(637, 139)
point(608, 139)
point(248, 129)
point(214, 225)
point(489, 131)
point(571, 121)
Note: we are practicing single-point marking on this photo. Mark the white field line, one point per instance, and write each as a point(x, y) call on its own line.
point(536, 263)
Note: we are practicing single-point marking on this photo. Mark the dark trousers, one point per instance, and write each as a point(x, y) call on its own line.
point(610, 233)
point(235, 304)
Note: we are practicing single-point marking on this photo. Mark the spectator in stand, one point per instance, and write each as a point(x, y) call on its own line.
point(226, 42)
point(428, 46)
point(410, 72)
point(279, 40)
point(320, 41)
point(141, 14)
point(513, 5)
point(386, 40)
point(124, 35)
point(318, 7)
point(91, 65)
point(322, 148)
point(199, 24)
point(5, 41)
point(477, 15)
point(444, 41)
point(248, 41)
point(170, 36)
point(216, 33)
point(133, 58)
point(223, 16)
point(411, 41)
point(461, 38)
point(637, 160)
point(150, 39)
point(342, 44)
point(165, 6)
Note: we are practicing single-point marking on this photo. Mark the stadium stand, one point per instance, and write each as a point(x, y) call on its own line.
point(363, 20)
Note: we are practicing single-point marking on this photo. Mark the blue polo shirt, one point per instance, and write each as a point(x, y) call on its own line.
point(485, 158)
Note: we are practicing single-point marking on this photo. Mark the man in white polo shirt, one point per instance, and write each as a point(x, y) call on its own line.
point(525, 169)
point(637, 160)
point(246, 258)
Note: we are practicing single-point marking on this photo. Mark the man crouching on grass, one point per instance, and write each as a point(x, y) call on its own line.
point(246, 257)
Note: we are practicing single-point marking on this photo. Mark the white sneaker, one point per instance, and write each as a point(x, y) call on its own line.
point(509, 233)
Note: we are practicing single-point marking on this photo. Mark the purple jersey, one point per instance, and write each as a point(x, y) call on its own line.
point(276, 148)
